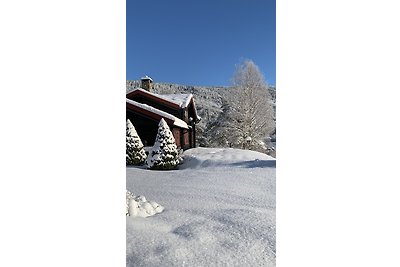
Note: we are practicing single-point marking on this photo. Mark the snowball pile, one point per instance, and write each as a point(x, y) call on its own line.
point(138, 206)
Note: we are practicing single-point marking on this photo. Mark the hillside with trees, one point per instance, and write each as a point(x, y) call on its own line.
point(248, 116)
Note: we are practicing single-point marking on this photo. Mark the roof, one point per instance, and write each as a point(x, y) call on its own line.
point(175, 101)
point(153, 96)
point(175, 121)
point(182, 100)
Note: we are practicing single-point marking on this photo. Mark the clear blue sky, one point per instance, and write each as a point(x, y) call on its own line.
point(199, 42)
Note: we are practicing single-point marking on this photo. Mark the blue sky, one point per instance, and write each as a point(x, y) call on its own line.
point(199, 42)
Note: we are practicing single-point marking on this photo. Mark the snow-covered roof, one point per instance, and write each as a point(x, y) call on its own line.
point(182, 100)
point(176, 100)
point(146, 78)
point(177, 122)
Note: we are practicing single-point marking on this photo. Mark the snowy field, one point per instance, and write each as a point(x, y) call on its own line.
point(219, 211)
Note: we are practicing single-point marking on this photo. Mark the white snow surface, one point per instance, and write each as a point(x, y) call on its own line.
point(177, 122)
point(219, 211)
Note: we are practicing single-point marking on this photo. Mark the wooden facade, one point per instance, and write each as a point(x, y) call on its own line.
point(151, 107)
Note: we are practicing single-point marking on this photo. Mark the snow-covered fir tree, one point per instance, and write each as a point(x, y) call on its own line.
point(164, 154)
point(135, 154)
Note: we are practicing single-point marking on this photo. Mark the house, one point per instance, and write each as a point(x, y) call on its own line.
point(145, 109)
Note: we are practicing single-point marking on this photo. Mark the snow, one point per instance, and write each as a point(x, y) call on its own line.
point(139, 206)
point(182, 100)
point(225, 157)
point(219, 211)
point(146, 78)
point(177, 122)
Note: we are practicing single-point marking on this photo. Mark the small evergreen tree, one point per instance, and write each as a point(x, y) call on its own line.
point(164, 154)
point(135, 154)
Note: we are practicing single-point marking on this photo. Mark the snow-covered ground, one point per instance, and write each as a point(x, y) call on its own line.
point(219, 211)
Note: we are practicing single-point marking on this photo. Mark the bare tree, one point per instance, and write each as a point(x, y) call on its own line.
point(249, 118)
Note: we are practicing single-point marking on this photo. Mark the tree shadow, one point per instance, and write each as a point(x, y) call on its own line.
point(136, 167)
point(255, 164)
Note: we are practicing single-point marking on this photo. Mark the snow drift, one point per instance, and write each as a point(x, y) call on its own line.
point(225, 157)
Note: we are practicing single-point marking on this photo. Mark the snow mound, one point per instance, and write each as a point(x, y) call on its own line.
point(138, 206)
point(196, 158)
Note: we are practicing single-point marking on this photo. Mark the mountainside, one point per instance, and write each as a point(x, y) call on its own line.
point(208, 102)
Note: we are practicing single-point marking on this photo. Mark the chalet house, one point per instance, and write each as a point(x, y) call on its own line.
point(145, 109)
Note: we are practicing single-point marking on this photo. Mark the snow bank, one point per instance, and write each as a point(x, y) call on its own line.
point(138, 206)
point(225, 157)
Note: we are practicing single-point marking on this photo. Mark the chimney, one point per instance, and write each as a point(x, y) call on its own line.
point(147, 83)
